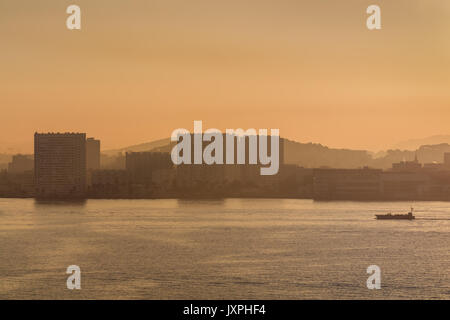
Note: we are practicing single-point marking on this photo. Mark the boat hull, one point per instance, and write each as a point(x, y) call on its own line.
point(395, 217)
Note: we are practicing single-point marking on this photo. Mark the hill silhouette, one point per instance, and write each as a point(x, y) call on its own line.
point(315, 155)
point(308, 155)
point(303, 154)
point(147, 146)
point(414, 144)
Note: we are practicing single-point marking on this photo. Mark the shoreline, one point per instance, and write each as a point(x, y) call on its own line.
point(222, 198)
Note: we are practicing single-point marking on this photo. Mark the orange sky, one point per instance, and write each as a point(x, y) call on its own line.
point(139, 69)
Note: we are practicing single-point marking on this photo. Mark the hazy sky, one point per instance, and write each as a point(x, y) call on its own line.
point(139, 69)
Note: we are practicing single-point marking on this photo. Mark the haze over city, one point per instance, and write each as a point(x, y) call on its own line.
point(327, 177)
point(138, 70)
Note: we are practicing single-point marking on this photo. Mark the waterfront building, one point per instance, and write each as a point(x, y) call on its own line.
point(21, 163)
point(60, 165)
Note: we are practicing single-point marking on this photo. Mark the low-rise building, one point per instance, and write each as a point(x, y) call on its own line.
point(347, 184)
point(21, 163)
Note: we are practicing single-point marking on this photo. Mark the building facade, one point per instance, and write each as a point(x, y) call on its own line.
point(347, 184)
point(60, 165)
point(92, 154)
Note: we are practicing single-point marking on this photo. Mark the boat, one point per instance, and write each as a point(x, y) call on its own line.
point(390, 216)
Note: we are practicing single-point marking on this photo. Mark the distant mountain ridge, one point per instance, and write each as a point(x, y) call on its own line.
point(309, 155)
point(413, 144)
point(303, 154)
point(315, 155)
point(147, 146)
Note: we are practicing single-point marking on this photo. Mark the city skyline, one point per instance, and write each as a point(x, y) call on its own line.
point(429, 150)
point(68, 166)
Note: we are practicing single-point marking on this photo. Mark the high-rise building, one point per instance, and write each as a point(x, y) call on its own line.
point(60, 165)
point(447, 159)
point(92, 154)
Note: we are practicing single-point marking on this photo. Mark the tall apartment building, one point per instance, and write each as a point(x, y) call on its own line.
point(60, 165)
point(447, 159)
point(92, 154)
